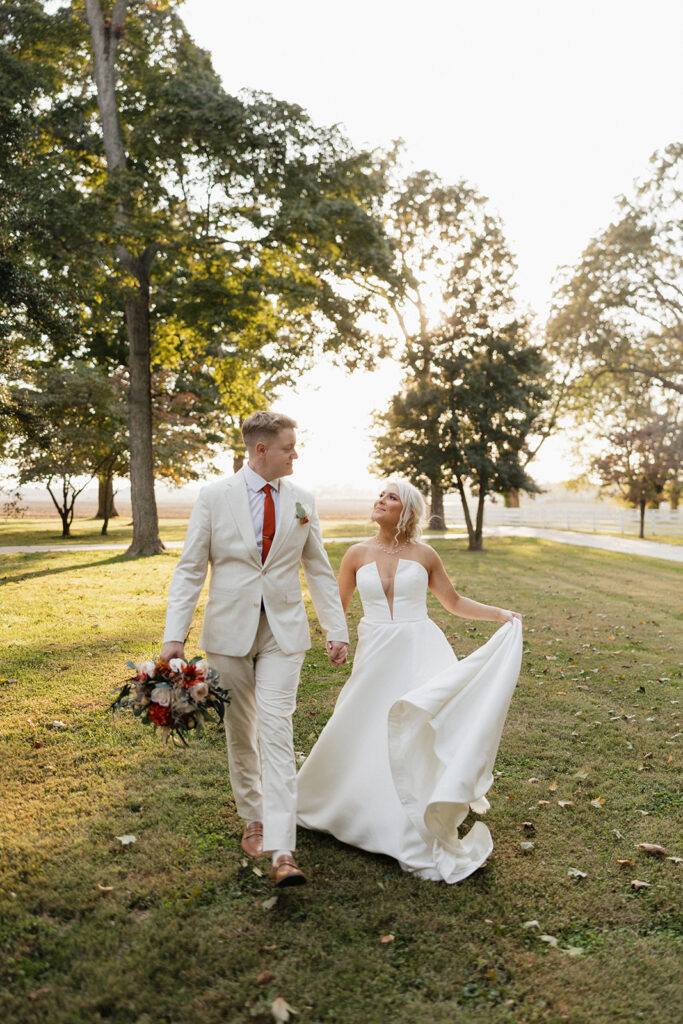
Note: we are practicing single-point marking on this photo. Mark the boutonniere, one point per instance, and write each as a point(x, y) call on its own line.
point(303, 513)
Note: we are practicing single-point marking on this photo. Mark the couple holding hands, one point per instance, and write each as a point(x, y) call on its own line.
point(408, 753)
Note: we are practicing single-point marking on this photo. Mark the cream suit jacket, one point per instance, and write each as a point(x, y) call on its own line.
point(221, 533)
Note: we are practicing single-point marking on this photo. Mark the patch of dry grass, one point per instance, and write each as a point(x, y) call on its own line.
point(176, 928)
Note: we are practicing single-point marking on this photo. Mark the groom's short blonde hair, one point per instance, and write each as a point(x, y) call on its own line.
point(265, 426)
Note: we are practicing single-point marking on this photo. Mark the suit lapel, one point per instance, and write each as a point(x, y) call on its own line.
point(238, 502)
point(285, 520)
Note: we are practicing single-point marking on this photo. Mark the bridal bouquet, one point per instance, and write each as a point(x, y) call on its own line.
point(176, 696)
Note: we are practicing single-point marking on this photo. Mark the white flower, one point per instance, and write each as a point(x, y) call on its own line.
point(200, 690)
point(161, 695)
point(177, 664)
point(202, 666)
point(147, 668)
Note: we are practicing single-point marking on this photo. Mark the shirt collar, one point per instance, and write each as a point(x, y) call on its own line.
point(256, 482)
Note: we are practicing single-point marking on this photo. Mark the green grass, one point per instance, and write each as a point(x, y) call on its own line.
point(177, 928)
point(38, 530)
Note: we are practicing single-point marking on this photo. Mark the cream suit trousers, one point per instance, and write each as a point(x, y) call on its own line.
point(258, 730)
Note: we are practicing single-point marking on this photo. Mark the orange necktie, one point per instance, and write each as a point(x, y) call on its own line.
point(268, 522)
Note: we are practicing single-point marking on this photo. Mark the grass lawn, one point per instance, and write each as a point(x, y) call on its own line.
point(178, 927)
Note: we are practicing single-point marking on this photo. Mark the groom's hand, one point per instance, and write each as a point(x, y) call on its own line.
point(172, 649)
point(336, 652)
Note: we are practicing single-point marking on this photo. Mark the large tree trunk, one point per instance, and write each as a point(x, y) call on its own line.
point(437, 520)
point(105, 498)
point(146, 540)
point(511, 497)
point(479, 528)
point(106, 31)
point(237, 463)
point(471, 532)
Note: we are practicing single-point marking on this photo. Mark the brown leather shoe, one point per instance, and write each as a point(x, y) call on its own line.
point(285, 872)
point(252, 839)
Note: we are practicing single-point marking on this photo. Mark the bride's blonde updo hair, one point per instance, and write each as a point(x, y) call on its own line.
point(413, 511)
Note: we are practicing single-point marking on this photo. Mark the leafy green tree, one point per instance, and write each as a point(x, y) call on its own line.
point(225, 232)
point(460, 326)
point(473, 421)
point(617, 321)
point(641, 457)
point(453, 271)
point(70, 426)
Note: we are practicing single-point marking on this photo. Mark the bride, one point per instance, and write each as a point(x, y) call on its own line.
point(410, 747)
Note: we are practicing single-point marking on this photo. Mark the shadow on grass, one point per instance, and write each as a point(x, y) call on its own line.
point(119, 559)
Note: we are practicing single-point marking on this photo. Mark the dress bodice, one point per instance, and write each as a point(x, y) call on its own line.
point(410, 592)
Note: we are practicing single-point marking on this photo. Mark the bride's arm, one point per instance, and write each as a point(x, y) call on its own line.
point(444, 591)
point(347, 578)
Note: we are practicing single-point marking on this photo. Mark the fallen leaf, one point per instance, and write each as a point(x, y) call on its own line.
point(652, 848)
point(542, 802)
point(487, 920)
point(38, 992)
point(105, 888)
point(617, 833)
point(637, 884)
point(572, 950)
point(624, 863)
point(646, 757)
point(580, 775)
point(268, 905)
point(125, 840)
point(244, 862)
point(386, 939)
point(526, 826)
point(533, 779)
point(37, 745)
point(575, 873)
point(531, 924)
point(264, 977)
point(527, 846)
point(598, 802)
point(257, 872)
point(552, 787)
point(281, 1010)
point(676, 860)
point(550, 939)
point(266, 949)
point(565, 803)
point(58, 725)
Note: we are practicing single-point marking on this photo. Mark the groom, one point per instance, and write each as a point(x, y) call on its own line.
point(255, 528)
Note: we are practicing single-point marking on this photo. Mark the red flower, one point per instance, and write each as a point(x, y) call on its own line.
point(158, 714)
point(190, 675)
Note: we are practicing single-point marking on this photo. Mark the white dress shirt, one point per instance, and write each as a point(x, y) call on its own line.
point(257, 497)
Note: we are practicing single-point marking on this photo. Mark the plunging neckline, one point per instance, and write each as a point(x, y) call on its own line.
point(390, 607)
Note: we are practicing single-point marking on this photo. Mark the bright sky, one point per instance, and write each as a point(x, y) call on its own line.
point(549, 108)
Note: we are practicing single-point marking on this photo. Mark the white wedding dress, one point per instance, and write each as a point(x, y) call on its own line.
point(410, 747)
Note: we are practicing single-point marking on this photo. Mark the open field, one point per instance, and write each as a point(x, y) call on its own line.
point(42, 530)
point(177, 928)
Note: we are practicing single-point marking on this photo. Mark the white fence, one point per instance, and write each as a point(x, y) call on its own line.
point(597, 519)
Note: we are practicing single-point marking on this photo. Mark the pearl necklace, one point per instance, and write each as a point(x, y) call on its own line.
point(392, 551)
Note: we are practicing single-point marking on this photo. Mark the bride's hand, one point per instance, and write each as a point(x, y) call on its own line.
point(505, 615)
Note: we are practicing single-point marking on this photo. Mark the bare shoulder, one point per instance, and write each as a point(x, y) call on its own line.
point(357, 555)
point(425, 555)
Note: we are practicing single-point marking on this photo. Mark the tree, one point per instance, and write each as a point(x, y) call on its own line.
point(473, 421)
point(220, 229)
point(640, 458)
point(452, 262)
point(460, 323)
point(71, 427)
point(617, 320)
